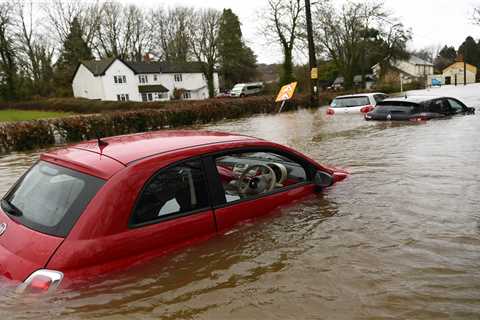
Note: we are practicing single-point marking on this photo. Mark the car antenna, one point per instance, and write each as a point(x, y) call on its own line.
point(101, 144)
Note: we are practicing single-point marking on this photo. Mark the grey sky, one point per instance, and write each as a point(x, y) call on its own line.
point(433, 22)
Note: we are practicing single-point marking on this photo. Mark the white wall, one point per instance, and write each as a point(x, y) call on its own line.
point(118, 68)
point(85, 85)
point(104, 87)
point(451, 72)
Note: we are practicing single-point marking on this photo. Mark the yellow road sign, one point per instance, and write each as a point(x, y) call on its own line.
point(286, 93)
point(314, 73)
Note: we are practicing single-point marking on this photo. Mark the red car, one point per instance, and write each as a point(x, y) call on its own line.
point(106, 204)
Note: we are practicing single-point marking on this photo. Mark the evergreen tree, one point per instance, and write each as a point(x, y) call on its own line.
point(445, 57)
point(74, 50)
point(237, 61)
point(470, 51)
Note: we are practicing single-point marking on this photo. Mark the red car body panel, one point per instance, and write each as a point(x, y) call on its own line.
point(102, 239)
point(23, 250)
point(231, 215)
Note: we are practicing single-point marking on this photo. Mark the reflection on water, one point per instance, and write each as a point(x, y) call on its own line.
point(399, 239)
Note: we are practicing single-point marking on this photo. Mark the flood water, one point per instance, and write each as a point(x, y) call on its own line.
point(399, 239)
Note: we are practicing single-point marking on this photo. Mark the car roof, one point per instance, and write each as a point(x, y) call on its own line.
point(413, 99)
point(129, 148)
point(359, 95)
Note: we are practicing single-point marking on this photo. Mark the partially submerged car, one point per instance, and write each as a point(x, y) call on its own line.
point(355, 103)
point(100, 205)
point(418, 108)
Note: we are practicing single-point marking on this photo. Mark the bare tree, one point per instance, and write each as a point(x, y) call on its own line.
point(8, 68)
point(35, 52)
point(171, 33)
point(345, 35)
point(204, 43)
point(283, 22)
point(476, 15)
point(123, 32)
point(59, 15)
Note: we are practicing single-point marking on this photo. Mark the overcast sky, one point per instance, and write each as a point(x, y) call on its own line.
point(433, 22)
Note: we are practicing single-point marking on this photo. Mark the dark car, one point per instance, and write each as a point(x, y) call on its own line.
point(417, 108)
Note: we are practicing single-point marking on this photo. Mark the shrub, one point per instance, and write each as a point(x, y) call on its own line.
point(34, 134)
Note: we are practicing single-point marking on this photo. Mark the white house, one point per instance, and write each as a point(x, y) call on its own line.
point(113, 79)
point(412, 69)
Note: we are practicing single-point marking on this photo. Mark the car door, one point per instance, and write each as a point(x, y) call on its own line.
point(248, 184)
point(456, 106)
point(173, 208)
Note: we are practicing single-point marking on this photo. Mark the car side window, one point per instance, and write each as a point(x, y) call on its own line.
point(379, 97)
point(249, 174)
point(172, 191)
point(439, 106)
point(455, 106)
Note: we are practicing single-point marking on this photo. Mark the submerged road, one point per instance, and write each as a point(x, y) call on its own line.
point(398, 239)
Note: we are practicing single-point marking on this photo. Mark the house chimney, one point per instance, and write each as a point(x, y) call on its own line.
point(146, 57)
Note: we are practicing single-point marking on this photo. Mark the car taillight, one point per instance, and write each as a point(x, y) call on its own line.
point(367, 108)
point(41, 281)
point(419, 119)
point(330, 111)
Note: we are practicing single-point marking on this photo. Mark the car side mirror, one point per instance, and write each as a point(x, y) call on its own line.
point(323, 179)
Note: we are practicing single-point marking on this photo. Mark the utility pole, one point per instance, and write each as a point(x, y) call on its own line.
point(311, 56)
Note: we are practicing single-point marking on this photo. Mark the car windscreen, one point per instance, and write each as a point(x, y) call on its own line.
point(395, 107)
point(347, 102)
point(50, 198)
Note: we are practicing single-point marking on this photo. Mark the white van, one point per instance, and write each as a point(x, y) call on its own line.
point(246, 89)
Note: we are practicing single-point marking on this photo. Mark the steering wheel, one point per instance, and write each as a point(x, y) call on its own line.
point(256, 179)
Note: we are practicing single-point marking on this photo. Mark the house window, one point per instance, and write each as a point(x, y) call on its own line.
point(123, 97)
point(143, 78)
point(119, 79)
point(161, 95)
point(177, 77)
point(147, 97)
point(153, 96)
point(187, 95)
point(155, 77)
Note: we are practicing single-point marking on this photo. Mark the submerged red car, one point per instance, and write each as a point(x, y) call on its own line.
point(105, 204)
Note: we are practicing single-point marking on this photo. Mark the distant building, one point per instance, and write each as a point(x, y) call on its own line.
point(455, 71)
point(114, 79)
point(413, 69)
point(453, 74)
point(338, 83)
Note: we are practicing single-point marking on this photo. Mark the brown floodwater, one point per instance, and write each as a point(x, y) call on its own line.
point(399, 239)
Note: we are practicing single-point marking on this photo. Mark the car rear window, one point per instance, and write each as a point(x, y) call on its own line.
point(350, 102)
point(395, 107)
point(50, 198)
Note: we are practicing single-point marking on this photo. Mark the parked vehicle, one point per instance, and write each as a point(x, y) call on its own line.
point(101, 205)
point(355, 103)
point(246, 89)
point(418, 108)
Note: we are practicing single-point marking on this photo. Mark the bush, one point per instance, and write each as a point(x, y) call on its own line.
point(41, 133)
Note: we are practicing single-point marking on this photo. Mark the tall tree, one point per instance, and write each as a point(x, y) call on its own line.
point(445, 57)
point(59, 15)
point(348, 35)
point(171, 33)
point(8, 67)
point(470, 51)
point(237, 61)
point(34, 50)
point(204, 43)
point(74, 50)
point(283, 22)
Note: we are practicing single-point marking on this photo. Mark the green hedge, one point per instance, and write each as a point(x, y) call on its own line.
point(33, 134)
